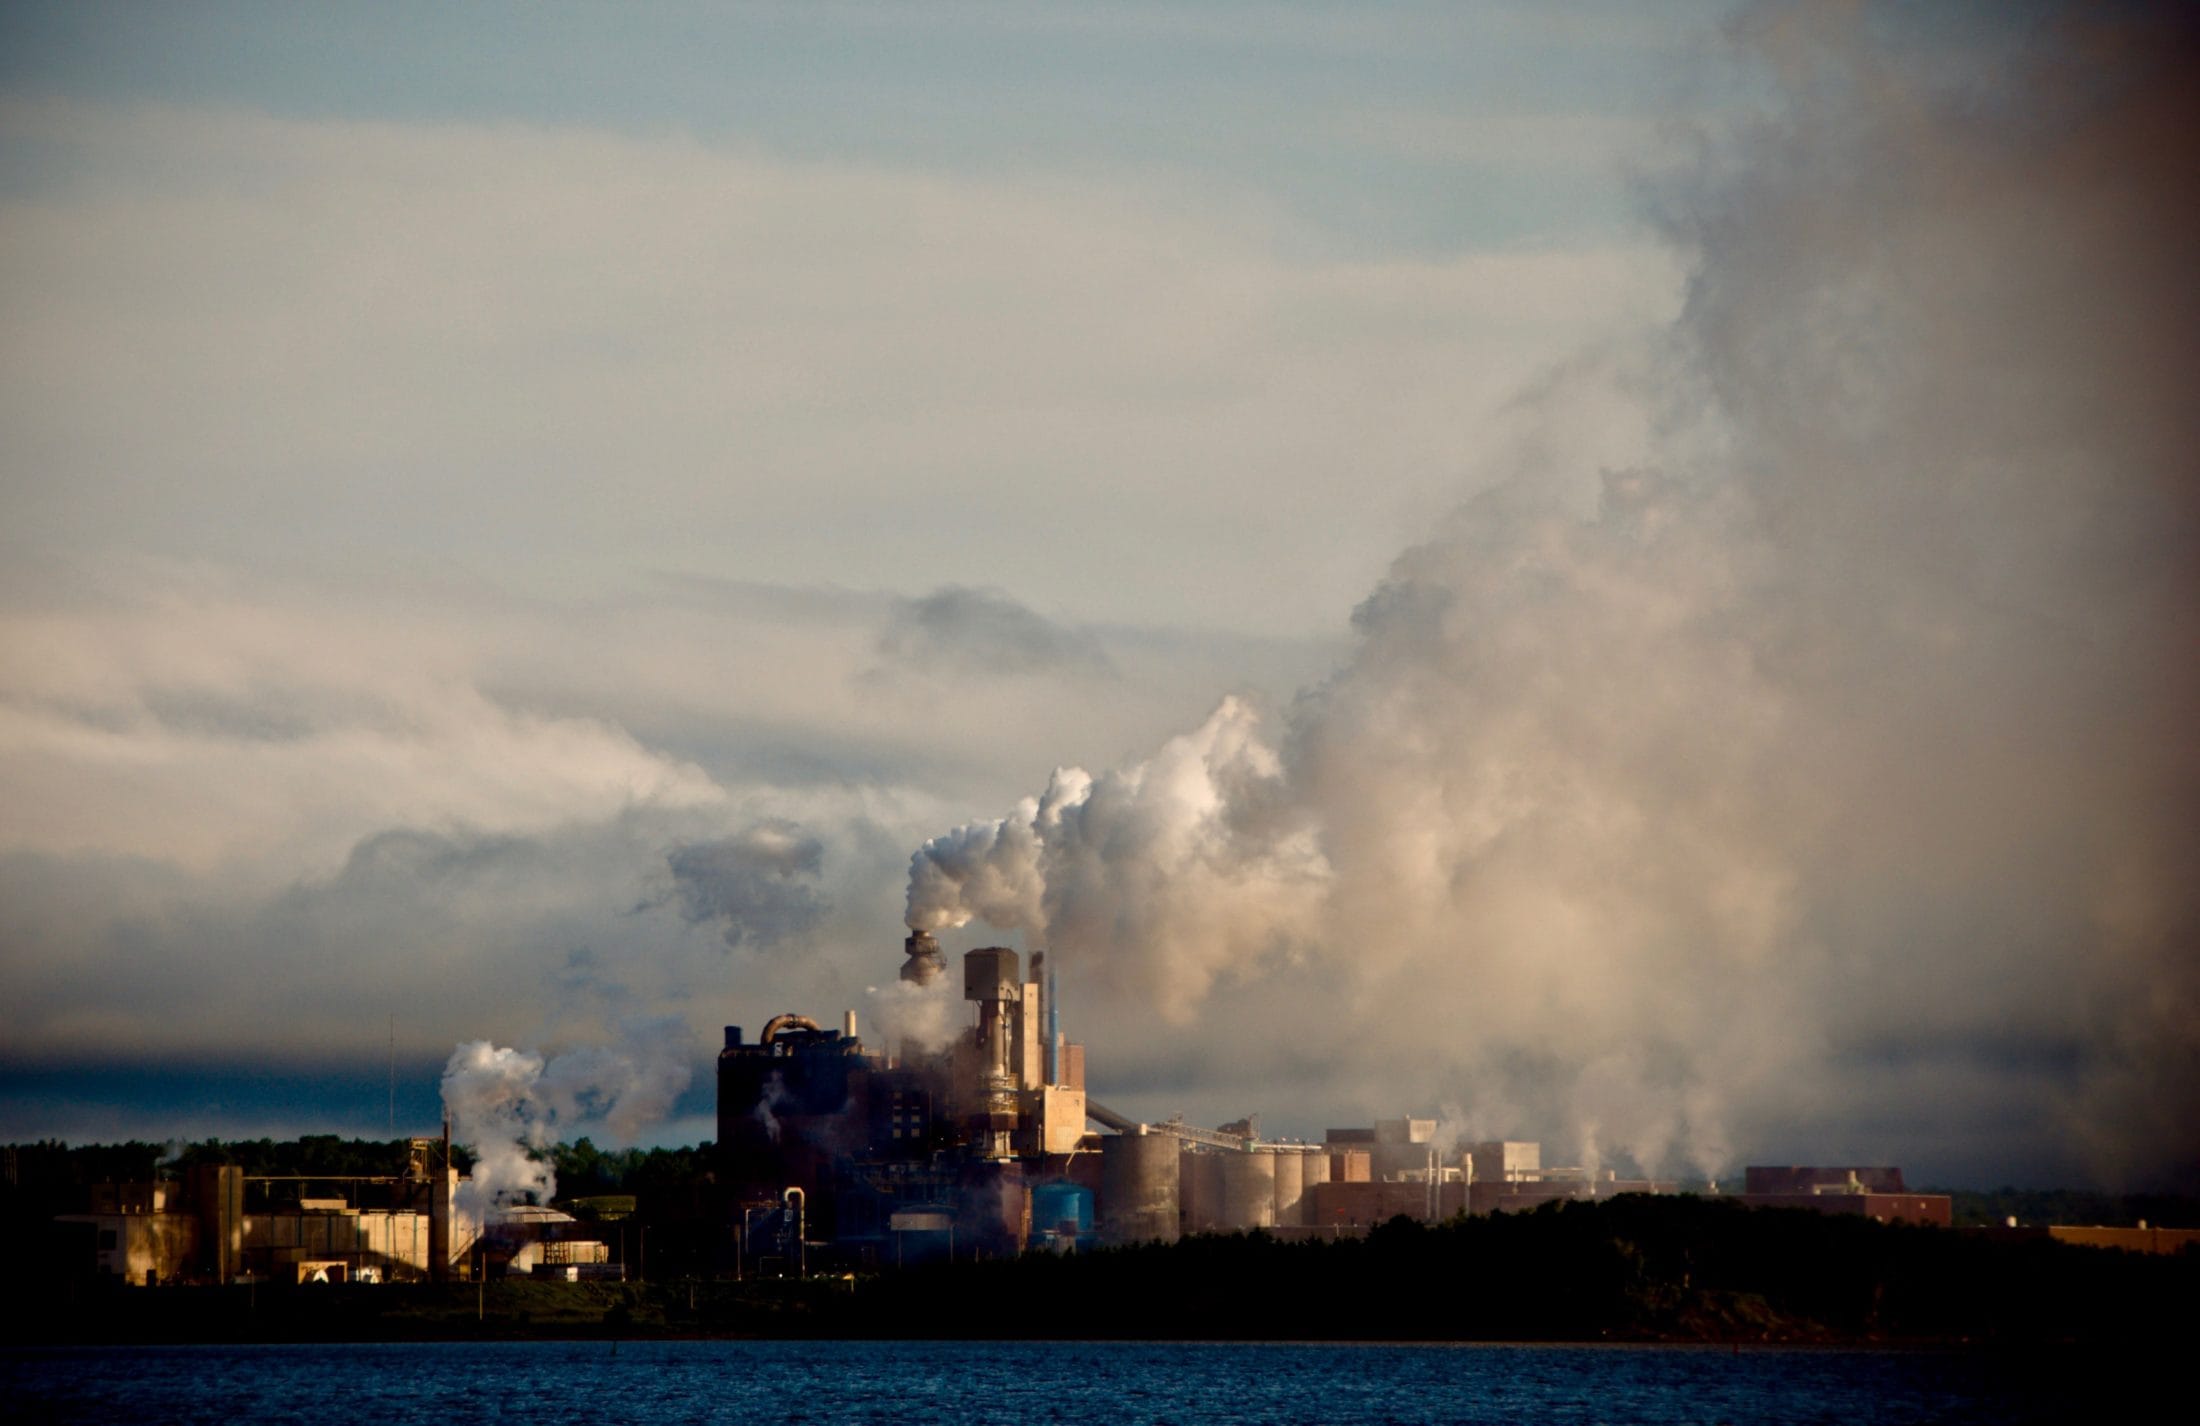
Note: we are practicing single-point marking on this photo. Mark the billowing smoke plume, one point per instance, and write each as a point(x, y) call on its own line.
point(1828, 774)
point(1180, 868)
point(510, 1105)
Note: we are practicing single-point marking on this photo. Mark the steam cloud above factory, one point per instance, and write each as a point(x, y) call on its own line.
point(1780, 757)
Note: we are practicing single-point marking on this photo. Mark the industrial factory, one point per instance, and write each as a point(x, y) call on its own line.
point(894, 1155)
point(992, 1145)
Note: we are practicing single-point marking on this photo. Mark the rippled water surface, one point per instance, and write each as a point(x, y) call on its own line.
point(1123, 1384)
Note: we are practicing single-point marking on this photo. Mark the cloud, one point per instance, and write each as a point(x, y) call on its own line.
point(254, 817)
point(213, 729)
point(1517, 142)
point(757, 886)
point(552, 357)
point(956, 630)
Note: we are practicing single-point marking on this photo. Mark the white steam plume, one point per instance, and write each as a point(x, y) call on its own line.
point(1183, 867)
point(916, 1019)
point(1840, 777)
point(510, 1105)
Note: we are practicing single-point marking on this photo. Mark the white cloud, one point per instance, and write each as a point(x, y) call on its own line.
point(556, 357)
point(212, 732)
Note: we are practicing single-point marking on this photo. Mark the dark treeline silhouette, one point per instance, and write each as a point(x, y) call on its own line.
point(1629, 1268)
point(584, 1170)
point(2036, 1207)
point(53, 1166)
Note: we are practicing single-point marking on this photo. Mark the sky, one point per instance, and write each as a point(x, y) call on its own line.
point(1618, 575)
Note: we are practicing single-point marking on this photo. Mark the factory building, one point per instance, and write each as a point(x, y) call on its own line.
point(142, 1234)
point(2145, 1238)
point(988, 1145)
point(219, 1224)
point(533, 1241)
point(982, 1147)
point(1875, 1192)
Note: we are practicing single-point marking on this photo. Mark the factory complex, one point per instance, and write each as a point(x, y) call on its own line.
point(993, 1145)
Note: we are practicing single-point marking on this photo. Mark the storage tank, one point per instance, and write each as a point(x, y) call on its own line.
point(1138, 1189)
point(1290, 1188)
point(1061, 1209)
point(1248, 1190)
point(1201, 1186)
point(1314, 1166)
point(1191, 1207)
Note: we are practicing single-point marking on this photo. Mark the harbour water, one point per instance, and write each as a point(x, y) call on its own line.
point(1119, 1383)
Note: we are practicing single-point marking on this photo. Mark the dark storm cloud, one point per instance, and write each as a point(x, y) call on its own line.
point(959, 630)
point(759, 887)
point(121, 972)
point(417, 859)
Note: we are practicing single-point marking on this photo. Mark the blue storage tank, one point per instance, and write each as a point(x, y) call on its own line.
point(1056, 1204)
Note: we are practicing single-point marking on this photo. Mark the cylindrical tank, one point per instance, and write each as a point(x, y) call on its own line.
point(1061, 1208)
point(1249, 1190)
point(1201, 1186)
point(1290, 1187)
point(1138, 1189)
point(1315, 1170)
point(1190, 1210)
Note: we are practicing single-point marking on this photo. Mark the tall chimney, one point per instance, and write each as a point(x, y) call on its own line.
point(1046, 1005)
point(1054, 1031)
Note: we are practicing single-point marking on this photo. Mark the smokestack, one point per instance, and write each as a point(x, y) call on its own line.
point(990, 978)
point(848, 1024)
point(925, 964)
point(1054, 1032)
point(1046, 1007)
